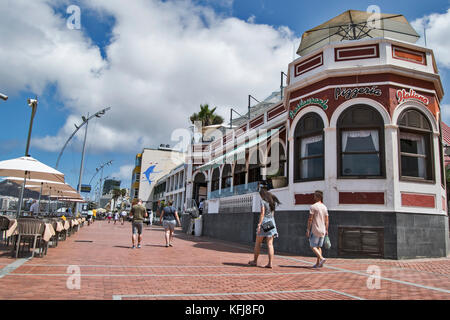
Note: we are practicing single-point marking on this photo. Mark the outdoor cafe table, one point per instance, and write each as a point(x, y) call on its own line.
point(48, 230)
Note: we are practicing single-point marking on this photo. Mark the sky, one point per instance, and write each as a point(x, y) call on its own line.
point(153, 62)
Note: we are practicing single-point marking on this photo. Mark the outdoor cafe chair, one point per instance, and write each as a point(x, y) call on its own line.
point(28, 230)
point(4, 225)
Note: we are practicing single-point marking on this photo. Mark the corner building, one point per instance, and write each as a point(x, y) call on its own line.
point(364, 127)
point(363, 124)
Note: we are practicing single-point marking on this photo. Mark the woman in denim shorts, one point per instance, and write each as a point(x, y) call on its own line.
point(268, 202)
point(169, 218)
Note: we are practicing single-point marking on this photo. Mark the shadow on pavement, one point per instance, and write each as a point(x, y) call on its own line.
point(299, 267)
point(219, 247)
point(235, 264)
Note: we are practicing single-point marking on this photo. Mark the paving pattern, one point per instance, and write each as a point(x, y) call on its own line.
point(98, 263)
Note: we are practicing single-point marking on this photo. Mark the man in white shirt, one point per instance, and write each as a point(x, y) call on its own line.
point(201, 206)
point(34, 208)
point(317, 227)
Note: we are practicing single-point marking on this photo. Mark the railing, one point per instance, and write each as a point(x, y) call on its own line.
point(234, 191)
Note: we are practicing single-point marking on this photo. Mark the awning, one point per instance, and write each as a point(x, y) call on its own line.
point(239, 152)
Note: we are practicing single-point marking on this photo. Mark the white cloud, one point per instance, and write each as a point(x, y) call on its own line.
point(437, 35)
point(445, 109)
point(124, 174)
point(164, 60)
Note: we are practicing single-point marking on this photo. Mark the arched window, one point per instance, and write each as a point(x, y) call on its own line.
point(360, 143)
point(215, 179)
point(415, 140)
point(309, 148)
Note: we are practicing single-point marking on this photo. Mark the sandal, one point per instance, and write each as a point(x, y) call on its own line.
point(252, 263)
point(268, 267)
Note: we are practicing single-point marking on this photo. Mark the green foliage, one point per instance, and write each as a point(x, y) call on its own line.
point(206, 116)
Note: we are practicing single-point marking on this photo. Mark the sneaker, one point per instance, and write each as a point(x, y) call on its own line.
point(133, 247)
point(322, 262)
point(315, 266)
point(139, 246)
point(170, 245)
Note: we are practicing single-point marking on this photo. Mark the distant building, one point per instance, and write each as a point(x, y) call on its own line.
point(172, 187)
point(150, 166)
point(110, 184)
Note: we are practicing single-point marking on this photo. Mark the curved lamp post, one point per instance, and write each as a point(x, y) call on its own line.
point(85, 122)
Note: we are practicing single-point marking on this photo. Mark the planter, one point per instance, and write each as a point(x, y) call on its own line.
point(279, 182)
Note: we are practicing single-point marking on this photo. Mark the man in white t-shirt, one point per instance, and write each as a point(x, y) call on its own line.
point(34, 208)
point(317, 227)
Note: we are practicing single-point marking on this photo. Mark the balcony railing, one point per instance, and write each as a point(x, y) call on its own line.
point(234, 191)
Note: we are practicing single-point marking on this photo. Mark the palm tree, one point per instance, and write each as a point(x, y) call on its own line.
point(206, 116)
point(116, 193)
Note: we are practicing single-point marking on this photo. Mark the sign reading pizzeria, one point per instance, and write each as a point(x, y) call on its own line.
point(351, 93)
point(403, 95)
point(308, 102)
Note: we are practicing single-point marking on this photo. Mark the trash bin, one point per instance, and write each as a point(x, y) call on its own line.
point(198, 226)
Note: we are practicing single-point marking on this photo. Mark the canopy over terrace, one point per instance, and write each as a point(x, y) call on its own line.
point(28, 168)
point(355, 25)
point(239, 152)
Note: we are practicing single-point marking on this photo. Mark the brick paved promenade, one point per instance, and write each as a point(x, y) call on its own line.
point(205, 268)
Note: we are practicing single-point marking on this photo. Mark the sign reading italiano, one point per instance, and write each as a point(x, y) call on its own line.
point(403, 95)
point(308, 102)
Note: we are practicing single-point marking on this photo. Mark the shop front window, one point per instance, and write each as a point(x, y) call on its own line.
point(415, 146)
point(309, 148)
point(215, 181)
point(239, 174)
point(226, 176)
point(361, 147)
point(361, 153)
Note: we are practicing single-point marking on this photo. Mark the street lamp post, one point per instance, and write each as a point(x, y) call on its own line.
point(33, 105)
point(85, 121)
point(101, 175)
point(82, 162)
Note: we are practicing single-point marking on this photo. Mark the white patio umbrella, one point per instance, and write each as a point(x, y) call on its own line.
point(28, 168)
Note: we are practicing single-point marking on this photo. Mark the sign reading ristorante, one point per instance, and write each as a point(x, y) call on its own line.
point(308, 102)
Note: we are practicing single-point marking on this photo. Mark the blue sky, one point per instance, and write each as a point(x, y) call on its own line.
point(105, 23)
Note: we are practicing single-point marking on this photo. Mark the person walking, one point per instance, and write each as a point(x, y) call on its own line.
point(266, 226)
point(123, 216)
point(138, 213)
point(169, 218)
point(116, 216)
point(317, 227)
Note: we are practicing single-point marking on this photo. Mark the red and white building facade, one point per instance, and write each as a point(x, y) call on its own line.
point(361, 121)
